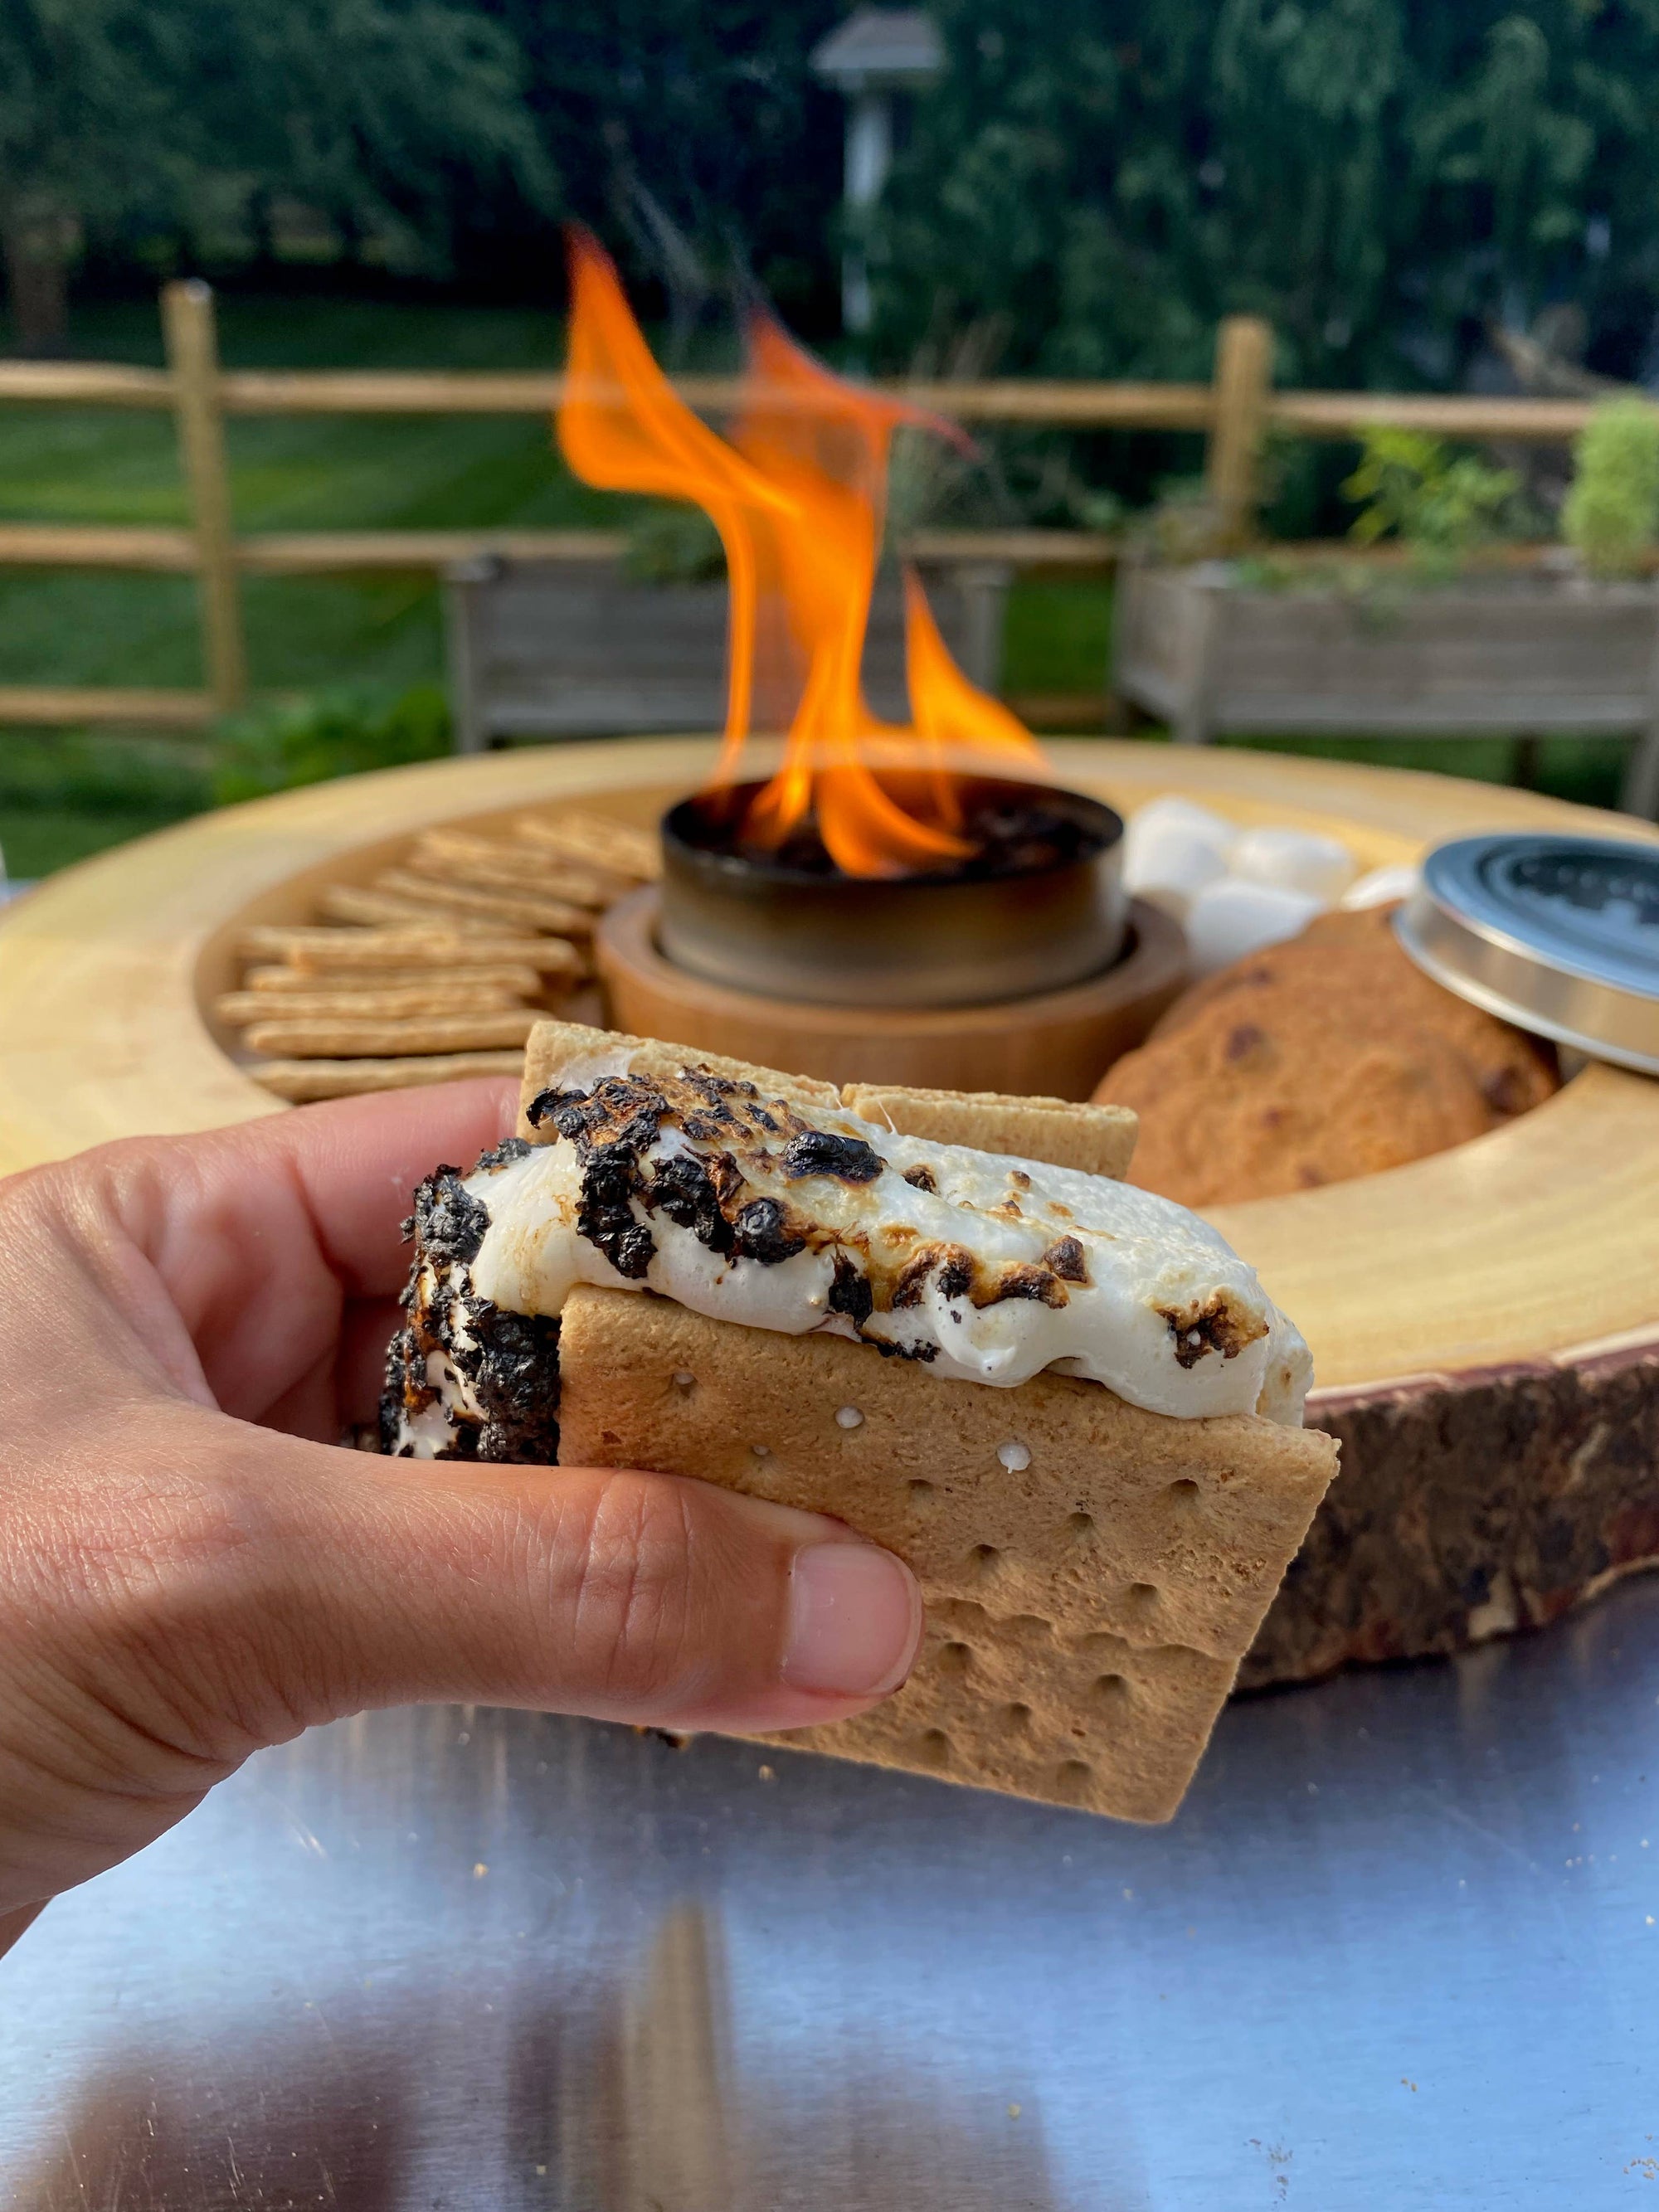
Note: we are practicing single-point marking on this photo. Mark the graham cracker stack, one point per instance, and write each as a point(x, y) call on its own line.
point(1093, 1573)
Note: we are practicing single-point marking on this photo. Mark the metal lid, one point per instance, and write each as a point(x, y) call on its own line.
point(1559, 935)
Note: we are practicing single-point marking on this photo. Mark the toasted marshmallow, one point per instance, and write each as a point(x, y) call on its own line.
point(765, 1214)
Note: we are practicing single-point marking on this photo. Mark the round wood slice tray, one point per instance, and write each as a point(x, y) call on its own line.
point(1485, 1321)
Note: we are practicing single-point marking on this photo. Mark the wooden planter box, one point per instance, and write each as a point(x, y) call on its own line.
point(577, 649)
point(1518, 655)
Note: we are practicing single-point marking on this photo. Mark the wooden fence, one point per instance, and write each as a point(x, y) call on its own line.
point(1233, 412)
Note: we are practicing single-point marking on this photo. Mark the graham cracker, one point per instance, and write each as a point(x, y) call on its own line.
point(365, 906)
point(554, 1045)
point(238, 1009)
point(339, 1039)
point(301, 1082)
point(1021, 1706)
point(496, 863)
point(520, 982)
point(635, 853)
point(430, 946)
point(1097, 1139)
point(1093, 1572)
point(524, 909)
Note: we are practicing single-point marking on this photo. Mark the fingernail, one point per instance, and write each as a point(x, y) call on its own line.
point(855, 1620)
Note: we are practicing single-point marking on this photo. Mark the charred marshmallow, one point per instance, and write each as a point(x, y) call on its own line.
point(772, 1215)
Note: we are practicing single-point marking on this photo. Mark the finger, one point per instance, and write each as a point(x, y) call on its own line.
point(234, 1251)
point(366, 1333)
point(355, 1582)
point(342, 1388)
point(336, 1179)
point(356, 1161)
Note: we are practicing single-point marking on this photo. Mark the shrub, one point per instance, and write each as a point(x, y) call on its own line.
point(1611, 515)
point(1441, 503)
point(279, 746)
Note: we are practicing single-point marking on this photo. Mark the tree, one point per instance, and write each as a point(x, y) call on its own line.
point(408, 111)
point(115, 115)
point(94, 123)
point(1381, 178)
point(693, 137)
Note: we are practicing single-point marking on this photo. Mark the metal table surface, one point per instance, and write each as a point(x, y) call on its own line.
point(1399, 1949)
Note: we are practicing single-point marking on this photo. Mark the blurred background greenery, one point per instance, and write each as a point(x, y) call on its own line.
point(1416, 197)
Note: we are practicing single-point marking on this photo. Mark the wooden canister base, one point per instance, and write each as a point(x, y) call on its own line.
point(1058, 1043)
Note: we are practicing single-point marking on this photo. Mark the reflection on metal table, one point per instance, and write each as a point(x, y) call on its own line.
point(1397, 1950)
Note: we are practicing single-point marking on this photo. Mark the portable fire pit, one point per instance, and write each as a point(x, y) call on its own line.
point(1037, 904)
point(1023, 966)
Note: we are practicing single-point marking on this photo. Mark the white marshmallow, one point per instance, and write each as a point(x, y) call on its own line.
point(1383, 886)
point(1232, 918)
point(1158, 817)
point(1171, 865)
point(1292, 861)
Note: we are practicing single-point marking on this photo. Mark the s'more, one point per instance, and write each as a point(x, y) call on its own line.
point(942, 1317)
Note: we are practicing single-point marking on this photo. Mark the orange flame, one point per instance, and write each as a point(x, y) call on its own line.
point(798, 497)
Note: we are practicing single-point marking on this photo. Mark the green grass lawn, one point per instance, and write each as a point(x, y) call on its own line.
point(89, 465)
point(64, 795)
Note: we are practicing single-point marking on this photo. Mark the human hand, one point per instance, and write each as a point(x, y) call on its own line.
point(192, 1565)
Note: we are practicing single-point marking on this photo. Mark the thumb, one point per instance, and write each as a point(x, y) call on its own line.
point(360, 1582)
